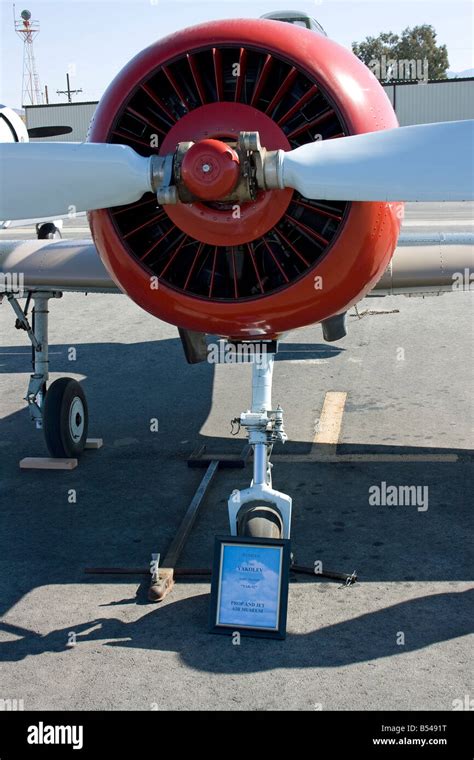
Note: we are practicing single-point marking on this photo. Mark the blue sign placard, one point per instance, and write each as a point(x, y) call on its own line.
point(251, 587)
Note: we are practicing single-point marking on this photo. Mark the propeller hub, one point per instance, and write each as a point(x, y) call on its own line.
point(210, 169)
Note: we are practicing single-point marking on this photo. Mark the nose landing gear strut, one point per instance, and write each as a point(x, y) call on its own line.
point(260, 510)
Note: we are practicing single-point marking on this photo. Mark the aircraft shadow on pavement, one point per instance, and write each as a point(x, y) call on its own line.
point(181, 627)
point(132, 494)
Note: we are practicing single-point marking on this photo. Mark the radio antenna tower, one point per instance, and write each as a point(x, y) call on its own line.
point(28, 30)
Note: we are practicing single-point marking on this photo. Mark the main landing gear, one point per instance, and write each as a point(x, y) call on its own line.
point(60, 410)
point(260, 510)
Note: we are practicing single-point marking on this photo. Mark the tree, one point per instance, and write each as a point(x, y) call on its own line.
point(412, 55)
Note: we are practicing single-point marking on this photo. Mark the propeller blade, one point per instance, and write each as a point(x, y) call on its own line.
point(59, 179)
point(35, 132)
point(427, 162)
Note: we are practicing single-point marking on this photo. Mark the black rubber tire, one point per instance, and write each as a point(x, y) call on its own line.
point(56, 419)
point(261, 522)
point(48, 231)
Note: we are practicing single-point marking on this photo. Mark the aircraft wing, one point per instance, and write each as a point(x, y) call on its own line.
point(65, 265)
point(423, 264)
point(429, 264)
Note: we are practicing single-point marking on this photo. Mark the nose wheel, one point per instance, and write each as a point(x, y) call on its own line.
point(259, 521)
point(65, 418)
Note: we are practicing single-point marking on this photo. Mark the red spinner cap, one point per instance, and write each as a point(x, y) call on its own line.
point(210, 169)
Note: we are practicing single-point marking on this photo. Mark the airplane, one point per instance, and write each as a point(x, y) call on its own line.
point(242, 179)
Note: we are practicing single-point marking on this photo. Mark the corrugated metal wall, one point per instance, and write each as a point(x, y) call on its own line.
point(389, 90)
point(75, 115)
point(413, 103)
point(434, 101)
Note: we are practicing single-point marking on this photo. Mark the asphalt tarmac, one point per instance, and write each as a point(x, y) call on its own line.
point(397, 639)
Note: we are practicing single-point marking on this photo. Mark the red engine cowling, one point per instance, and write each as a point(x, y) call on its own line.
point(282, 261)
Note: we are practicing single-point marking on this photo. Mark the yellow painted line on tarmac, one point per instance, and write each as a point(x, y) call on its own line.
point(327, 434)
point(328, 427)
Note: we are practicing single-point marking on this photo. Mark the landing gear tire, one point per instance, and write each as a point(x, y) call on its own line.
point(48, 231)
point(65, 418)
point(260, 522)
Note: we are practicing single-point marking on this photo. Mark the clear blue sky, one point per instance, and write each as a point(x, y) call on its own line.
point(98, 38)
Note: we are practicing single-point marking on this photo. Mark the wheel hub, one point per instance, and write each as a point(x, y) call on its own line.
point(76, 419)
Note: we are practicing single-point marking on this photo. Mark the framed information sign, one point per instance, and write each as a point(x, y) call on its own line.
point(249, 591)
